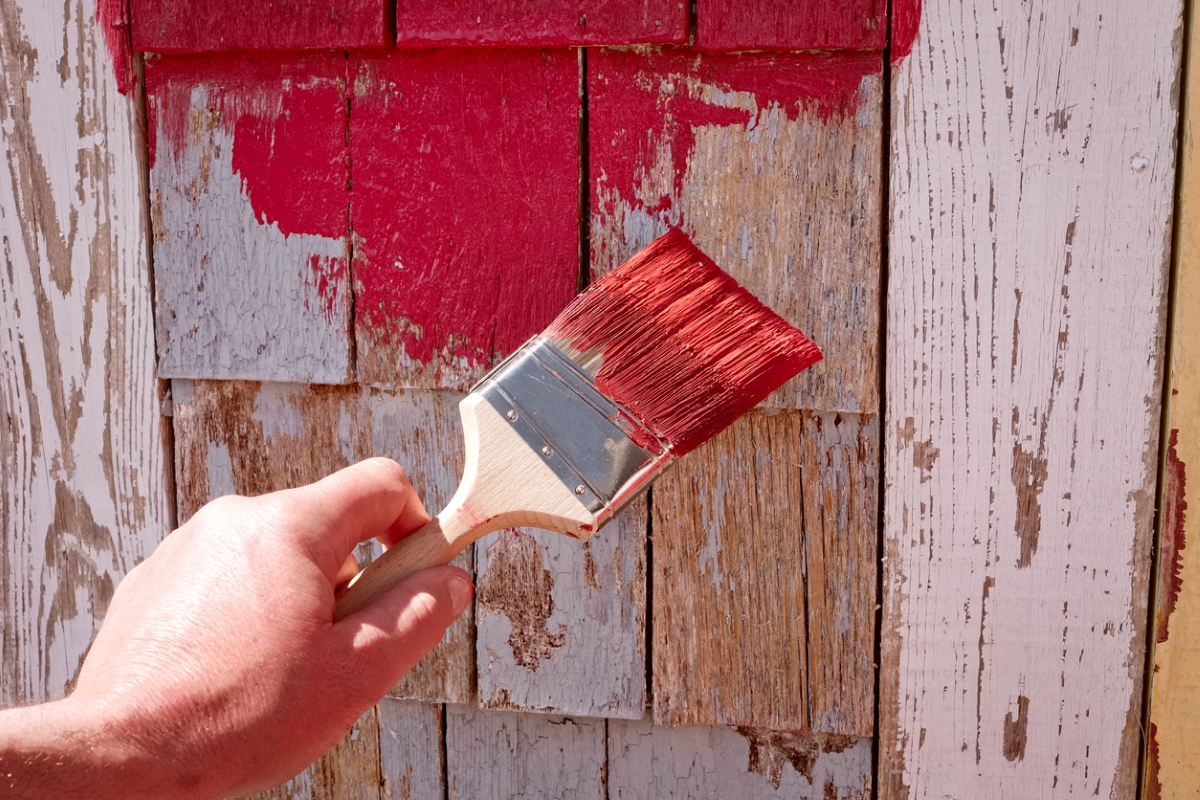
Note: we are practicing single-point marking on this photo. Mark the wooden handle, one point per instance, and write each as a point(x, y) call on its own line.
point(505, 484)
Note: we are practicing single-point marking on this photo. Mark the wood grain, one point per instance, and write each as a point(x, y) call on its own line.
point(771, 163)
point(653, 762)
point(1172, 771)
point(250, 209)
point(179, 27)
point(528, 756)
point(543, 23)
point(783, 25)
point(410, 750)
point(561, 623)
point(249, 438)
point(465, 212)
point(1031, 185)
point(83, 478)
point(350, 771)
point(742, 635)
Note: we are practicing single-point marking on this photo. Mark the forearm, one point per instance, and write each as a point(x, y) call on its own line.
point(62, 749)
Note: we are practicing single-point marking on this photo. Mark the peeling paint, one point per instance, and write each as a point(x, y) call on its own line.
point(518, 586)
point(1170, 556)
point(770, 750)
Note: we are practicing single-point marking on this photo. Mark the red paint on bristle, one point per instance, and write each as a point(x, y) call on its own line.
point(685, 348)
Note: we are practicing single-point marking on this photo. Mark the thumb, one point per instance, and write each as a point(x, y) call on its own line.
point(395, 631)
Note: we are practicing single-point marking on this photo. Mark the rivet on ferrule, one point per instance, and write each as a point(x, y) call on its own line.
point(581, 489)
point(546, 451)
point(511, 414)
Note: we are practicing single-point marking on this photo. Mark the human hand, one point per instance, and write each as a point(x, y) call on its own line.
point(219, 668)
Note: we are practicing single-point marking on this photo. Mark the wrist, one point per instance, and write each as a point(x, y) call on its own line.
point(68, 749)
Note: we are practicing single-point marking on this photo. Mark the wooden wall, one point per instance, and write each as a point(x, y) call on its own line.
point(246, 247)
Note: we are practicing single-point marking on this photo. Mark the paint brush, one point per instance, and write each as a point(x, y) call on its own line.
point(650, 362)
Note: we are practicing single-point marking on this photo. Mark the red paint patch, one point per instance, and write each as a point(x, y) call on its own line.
point(327, 280)
point(1170, 555)
point(112, 16)
point(465, 207)
point(177, 26)
point(790, 25)
point(287, 117)
point(684, 348)
point(544, 23)
point(906, 21)
point(640, 103)
point(1153, 782)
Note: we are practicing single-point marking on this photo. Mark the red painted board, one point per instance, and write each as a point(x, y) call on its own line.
point(465, 202)
point(723, 25)
point(543, 23)
point(178, 26)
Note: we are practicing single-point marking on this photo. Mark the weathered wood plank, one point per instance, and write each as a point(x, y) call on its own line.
point(547, 23)
point(784, 25)
point(410, 750)
point(772, 164)
point(1172, 771)
point(350, 771)
point(181, 27)
point(742, 636)
point(465, 213)
point(652, 762)
point(1031, 181)
point(249, 438)
point(250, 210)
point(83, 476)
point(562, 623)
point(528, 756)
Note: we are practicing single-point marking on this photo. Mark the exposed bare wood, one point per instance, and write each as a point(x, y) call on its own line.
point(83, 494)
point(410, 750)
point(562, 622)
point(1031, 181)
point(528, 756)
point(781, 189)
point(250, 438)
point(652, 762)
point(738, 629)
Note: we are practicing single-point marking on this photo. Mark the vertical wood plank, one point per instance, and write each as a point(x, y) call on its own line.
point(460, 23)
point(561, 623)
point(1172, 772)
point(83, 480)
point(249, 438)
point(652, 762)
point(771, 163)
point(528, 756)
point(410, 750)
point(1031, 181)
point(465, 208)
point(250, 207)
point(742, 635)
point(350, 771)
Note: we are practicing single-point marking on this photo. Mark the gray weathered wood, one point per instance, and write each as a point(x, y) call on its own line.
point(1031, 188)
point(561, 623)
point(83, 483)
point(239, 296)
point(250, 438)
point(410, 750)
point(652, 762)
point(527, 756)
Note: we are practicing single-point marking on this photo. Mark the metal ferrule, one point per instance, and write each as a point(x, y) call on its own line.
point(585, 438)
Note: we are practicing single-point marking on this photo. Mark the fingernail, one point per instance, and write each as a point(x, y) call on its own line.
point(460, 593)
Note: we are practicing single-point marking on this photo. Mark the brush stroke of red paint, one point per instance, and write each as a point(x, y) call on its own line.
point(1170, 557)
point(906, 21)
point(640, 103)
point(724, 25)
point(112, 17)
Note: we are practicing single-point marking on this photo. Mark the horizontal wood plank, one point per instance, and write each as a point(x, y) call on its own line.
point(1031, 194)
point(465, 212)
point(784, 25)
point(250, 438)
point(179, 27)
point(726, 148)
point(653, 762)
point(561, 623)
point(83, 472)
point(250, 205)
point(543, 23)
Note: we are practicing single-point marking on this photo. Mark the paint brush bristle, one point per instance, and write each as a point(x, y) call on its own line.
point(678, 343)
